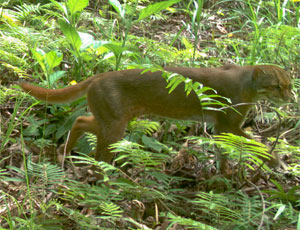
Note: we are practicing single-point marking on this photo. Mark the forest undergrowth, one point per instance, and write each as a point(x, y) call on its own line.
point(166, 173)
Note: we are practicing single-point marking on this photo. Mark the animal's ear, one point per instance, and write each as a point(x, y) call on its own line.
point(258, 72)
point(259, 77)
point(256, 75)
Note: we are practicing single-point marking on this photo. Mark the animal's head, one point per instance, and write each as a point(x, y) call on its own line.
point(272, 83)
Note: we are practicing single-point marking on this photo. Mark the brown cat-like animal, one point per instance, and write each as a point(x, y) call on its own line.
point(114, 98)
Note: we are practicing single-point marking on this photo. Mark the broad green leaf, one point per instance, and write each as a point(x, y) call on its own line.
point(86, 56)
point(186, 43)
point(71, 34)
point(152, 143)
point(281, 209)
point(39, 55)
point(53, 59)
point(118, 7)
point(86, 39)
point(50, 129)
point(53, 78)
point(116, 49)
point(123, 180)
point(155, 8)
point(64, 128)
point(298, 222)
point(99, 43)
point(197, 13)
point(60, 6)
point(101, 50)
point(77, 5)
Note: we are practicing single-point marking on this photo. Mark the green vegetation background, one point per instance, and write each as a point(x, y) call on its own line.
point(165, 175)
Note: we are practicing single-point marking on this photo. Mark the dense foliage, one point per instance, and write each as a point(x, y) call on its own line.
point(165, 174)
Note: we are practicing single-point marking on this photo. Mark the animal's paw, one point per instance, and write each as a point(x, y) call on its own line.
point(60, 153)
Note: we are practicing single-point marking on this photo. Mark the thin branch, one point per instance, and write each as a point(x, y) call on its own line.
point(263, 205)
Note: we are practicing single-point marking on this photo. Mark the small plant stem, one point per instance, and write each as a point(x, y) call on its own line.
point(128, 25)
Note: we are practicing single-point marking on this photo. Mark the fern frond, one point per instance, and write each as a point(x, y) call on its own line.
point(92, 140)
point(218, 203)
point(134, 153)
point(187, 223)
point(143, 126)
point(10, 94)
point(27, 9)
point(236, 210)
point(11, 58)
point(45, 172)
point(111, 209)
point(242, 148)
point(21, 73)
point(3, 96)
point(9, 16)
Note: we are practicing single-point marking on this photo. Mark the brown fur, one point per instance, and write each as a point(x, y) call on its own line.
point(114, 98)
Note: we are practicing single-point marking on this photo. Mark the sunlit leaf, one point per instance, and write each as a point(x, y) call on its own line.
point(53, 59)
point(86, 39)
point(116, 49)
point(39, 55)
point(53, 78)
point(77, 5)
point(155, 8)
point(118, 7)
point(71, 34)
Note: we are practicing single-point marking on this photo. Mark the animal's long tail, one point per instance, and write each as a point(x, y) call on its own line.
point(67, 94)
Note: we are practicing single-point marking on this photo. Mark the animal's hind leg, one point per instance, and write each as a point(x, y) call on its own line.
point(112, 132)
point(82, 124)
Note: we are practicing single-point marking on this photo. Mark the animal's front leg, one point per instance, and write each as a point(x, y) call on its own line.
point(226, 126)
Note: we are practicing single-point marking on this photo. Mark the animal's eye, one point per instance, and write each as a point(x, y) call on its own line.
point(274, 87)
